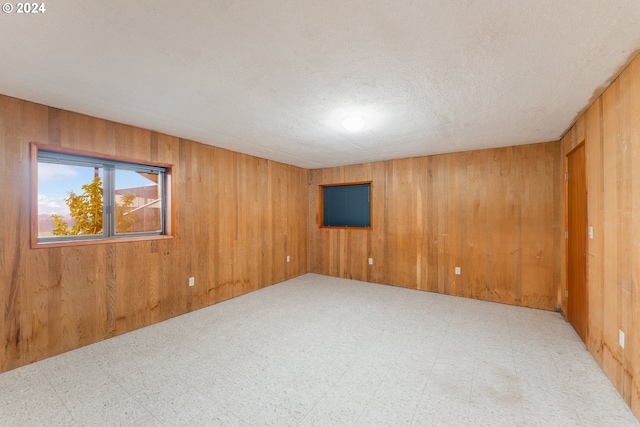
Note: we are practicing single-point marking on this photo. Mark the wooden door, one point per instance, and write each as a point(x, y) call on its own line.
point(577, 303)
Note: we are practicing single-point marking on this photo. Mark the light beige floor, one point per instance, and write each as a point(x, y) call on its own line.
point(321, 351)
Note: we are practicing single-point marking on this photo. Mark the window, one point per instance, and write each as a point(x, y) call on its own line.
point(86, 197)
point(346, 205)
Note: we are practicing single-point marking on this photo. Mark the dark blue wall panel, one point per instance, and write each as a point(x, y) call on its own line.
point(347, 205)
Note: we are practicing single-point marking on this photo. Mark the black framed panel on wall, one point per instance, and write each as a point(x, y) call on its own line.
point(345, 205)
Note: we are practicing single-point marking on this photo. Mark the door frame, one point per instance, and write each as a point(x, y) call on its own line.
point(582, 144)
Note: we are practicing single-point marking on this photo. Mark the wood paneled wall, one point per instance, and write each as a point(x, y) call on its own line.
point(236, 219)
point(498, 214)
point(494, 213)
point(610, 129)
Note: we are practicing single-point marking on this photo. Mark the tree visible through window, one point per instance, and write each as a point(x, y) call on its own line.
point(85, 197)
point(86, 212)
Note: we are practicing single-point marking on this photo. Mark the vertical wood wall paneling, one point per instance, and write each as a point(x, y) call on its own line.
point(475, 208)
point(595, 208)
point(633, 320)
point(611, 130)
point(231, 213)
point(494, 213)
point(628, 154)
point(376, 241)
point(34, 323)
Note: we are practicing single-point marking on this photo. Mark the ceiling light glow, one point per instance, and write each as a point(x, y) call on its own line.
point(353, 123)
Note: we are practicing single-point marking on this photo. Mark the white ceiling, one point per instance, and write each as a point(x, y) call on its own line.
point(275, 78)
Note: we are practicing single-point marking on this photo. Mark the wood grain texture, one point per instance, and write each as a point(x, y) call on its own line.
point(494, 213)
point(611, 131)
point(235, 219)
point(498, 214)
point(577, 301)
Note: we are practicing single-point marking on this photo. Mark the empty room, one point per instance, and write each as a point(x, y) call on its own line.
point(320, 213)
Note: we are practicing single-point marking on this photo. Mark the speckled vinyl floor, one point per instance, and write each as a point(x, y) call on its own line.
point(321, 351)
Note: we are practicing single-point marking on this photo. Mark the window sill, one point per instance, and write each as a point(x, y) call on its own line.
point(345, 227)
point(43, 245)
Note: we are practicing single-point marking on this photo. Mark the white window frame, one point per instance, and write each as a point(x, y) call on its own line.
point(109, 165)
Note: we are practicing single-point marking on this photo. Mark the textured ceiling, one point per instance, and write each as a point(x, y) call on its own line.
point(275, 78)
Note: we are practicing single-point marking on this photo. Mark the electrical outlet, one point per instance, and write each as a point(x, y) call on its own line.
point(370, 261)
point(621, 338)
point(458, 271)
point(288, 258)
point(192, 281)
